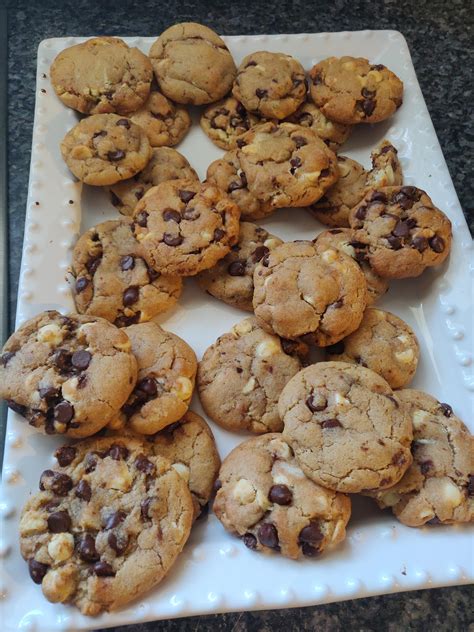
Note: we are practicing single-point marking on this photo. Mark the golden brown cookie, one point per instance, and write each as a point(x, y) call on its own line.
point(332, 133)
point(185, 226)
point(400, 231)
point(102, 75)
point(225, 121)
point(348, 430)
point(192, 64)
point(104, 148)
point(265, 498)
point(106, 525)
point(439, 485)
point(351, 90)
point(165, 123)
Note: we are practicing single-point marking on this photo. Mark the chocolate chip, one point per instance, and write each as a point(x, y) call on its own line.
point(63, 412)
point(411, 192)
point(403, 200)
point(316, 79)
point(6, 357)
point(305, 119)
point(116, 154)
point(152, 274)
point(48, 392)
point(309, 551)
point(260, 92)
point(186, 196)
point(388, 148)
point(299, 141)
point(398, 459)
point(311, 534)
point(90, 462)
point(131, 295)
point(62, 359)
point(266, 260)
point(240, 143)
point(172, 240)
point(337, 304)
point(170, 215)
point(83, 491)
point(117, 542)
point(250, 541)
point(436, 244)
point(93, 263)
point(98, 134)
point(426, 466)
point(17, 408)
point(37, 570)
point(280, 494)
point(116, 201)
point(434, 520)
point(139, 193)
point(446, 410)
point(402, 229)
point(378, 196)
point(127, 263)
point(217, 485)
point(289, 346)
point(420, 243)
point(117, 452)
point(470, 485)
point(367, 94)
point(65, 455)
point(295, 163)
point(59, 522)
point(314, 405)
point(259, 253)
point(124, 122)
point(142, 219)
point(114, 520)
point(144, 465)
point(86, 549)
point(361, 212)
point(81, 359)
point(103, 569)
point(191, 214)
point(56, 482)
point(325, 173)
point(394, 242)
point(145, 507)
point(331, 423)
point(234, 186)
point(148, 386)
point(378, 67)
point(268, 535)
point(125, 321)
point(336, 349)
point(218, 234)
point(81, 284)
point(368, 106)
point(236, 268)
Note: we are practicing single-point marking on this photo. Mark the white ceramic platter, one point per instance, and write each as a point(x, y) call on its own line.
point(216, 572)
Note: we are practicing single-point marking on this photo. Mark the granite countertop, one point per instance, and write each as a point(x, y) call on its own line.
point(438, 34)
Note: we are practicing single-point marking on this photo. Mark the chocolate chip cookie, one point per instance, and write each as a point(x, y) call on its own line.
point(349, 432)
point(165, 164)
point(189, 446)
point(351, 90)
point(107, 524)
point(334, 207)
point(286, 164)
point(231, 279)
point(383, 343)
point(112, 280)
point(271, 85)
point(192, 64)
point(225, 121)
point(104, 149)
point(67, 374)
point(265, 498)
point(164, 122)
point(342, 239)
point(166, 372)
point(227, 174)
point(299, 292)
point(102, 75)
point(439, 485)
point(400, 231)
point(332, 133)
point(241, 376)
point(185, 226)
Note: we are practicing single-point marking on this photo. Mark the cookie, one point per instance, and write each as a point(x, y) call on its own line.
point(349, 432)
point(342, 239)
point(190, 446)
point(332, 133)
point(334, 207)
point(112, 280)
point(67, 374)
point(227, 174)
point(225, 121)
point(192, 64)
point(165, 164)
point(383, 343)
point(271, 85)
point(231, 279)
point(164, 122)
point(400, 231)
point(104, 149)
point(185, 226)
point(286, 164)
point(107, 524)
point(299, 292)
point(102, 75)
point(351, 90)
point(439, 485)
point(265, 498)
point(166, 372)
point(241, 376)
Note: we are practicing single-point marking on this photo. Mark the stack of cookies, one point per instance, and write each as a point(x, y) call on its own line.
point(114, 514)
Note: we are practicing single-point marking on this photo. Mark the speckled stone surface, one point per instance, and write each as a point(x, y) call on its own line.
point(438, 33)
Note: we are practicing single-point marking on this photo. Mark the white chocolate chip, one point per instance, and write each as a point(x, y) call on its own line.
point(405, 356)
point(272, 243)
point(183, 470)
point(403, 338)
point(343, 169)
point(280, 448)
point(425, 441)
point(329, 256)
point(419, 418)
point(308, 299)
point(206, 235)
point(245, 327)
point(390, 499)
point(69, 389)
point(340, 400)
point(248, 388)
point(32, 524)
point(427, 513)
point(339, 532)
point(58, 585)
point(376, 75)
point(184, 388)
point(348, 65)
point(280, 479)
point(312, 176)
point(50, 333)
point(244, 492)
point(267, 348)
point(81, 152)
point(262, 500)
point(282, 469)
point(61, 546)
point(451, 493)
point(123, 346)
point(347, 249)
